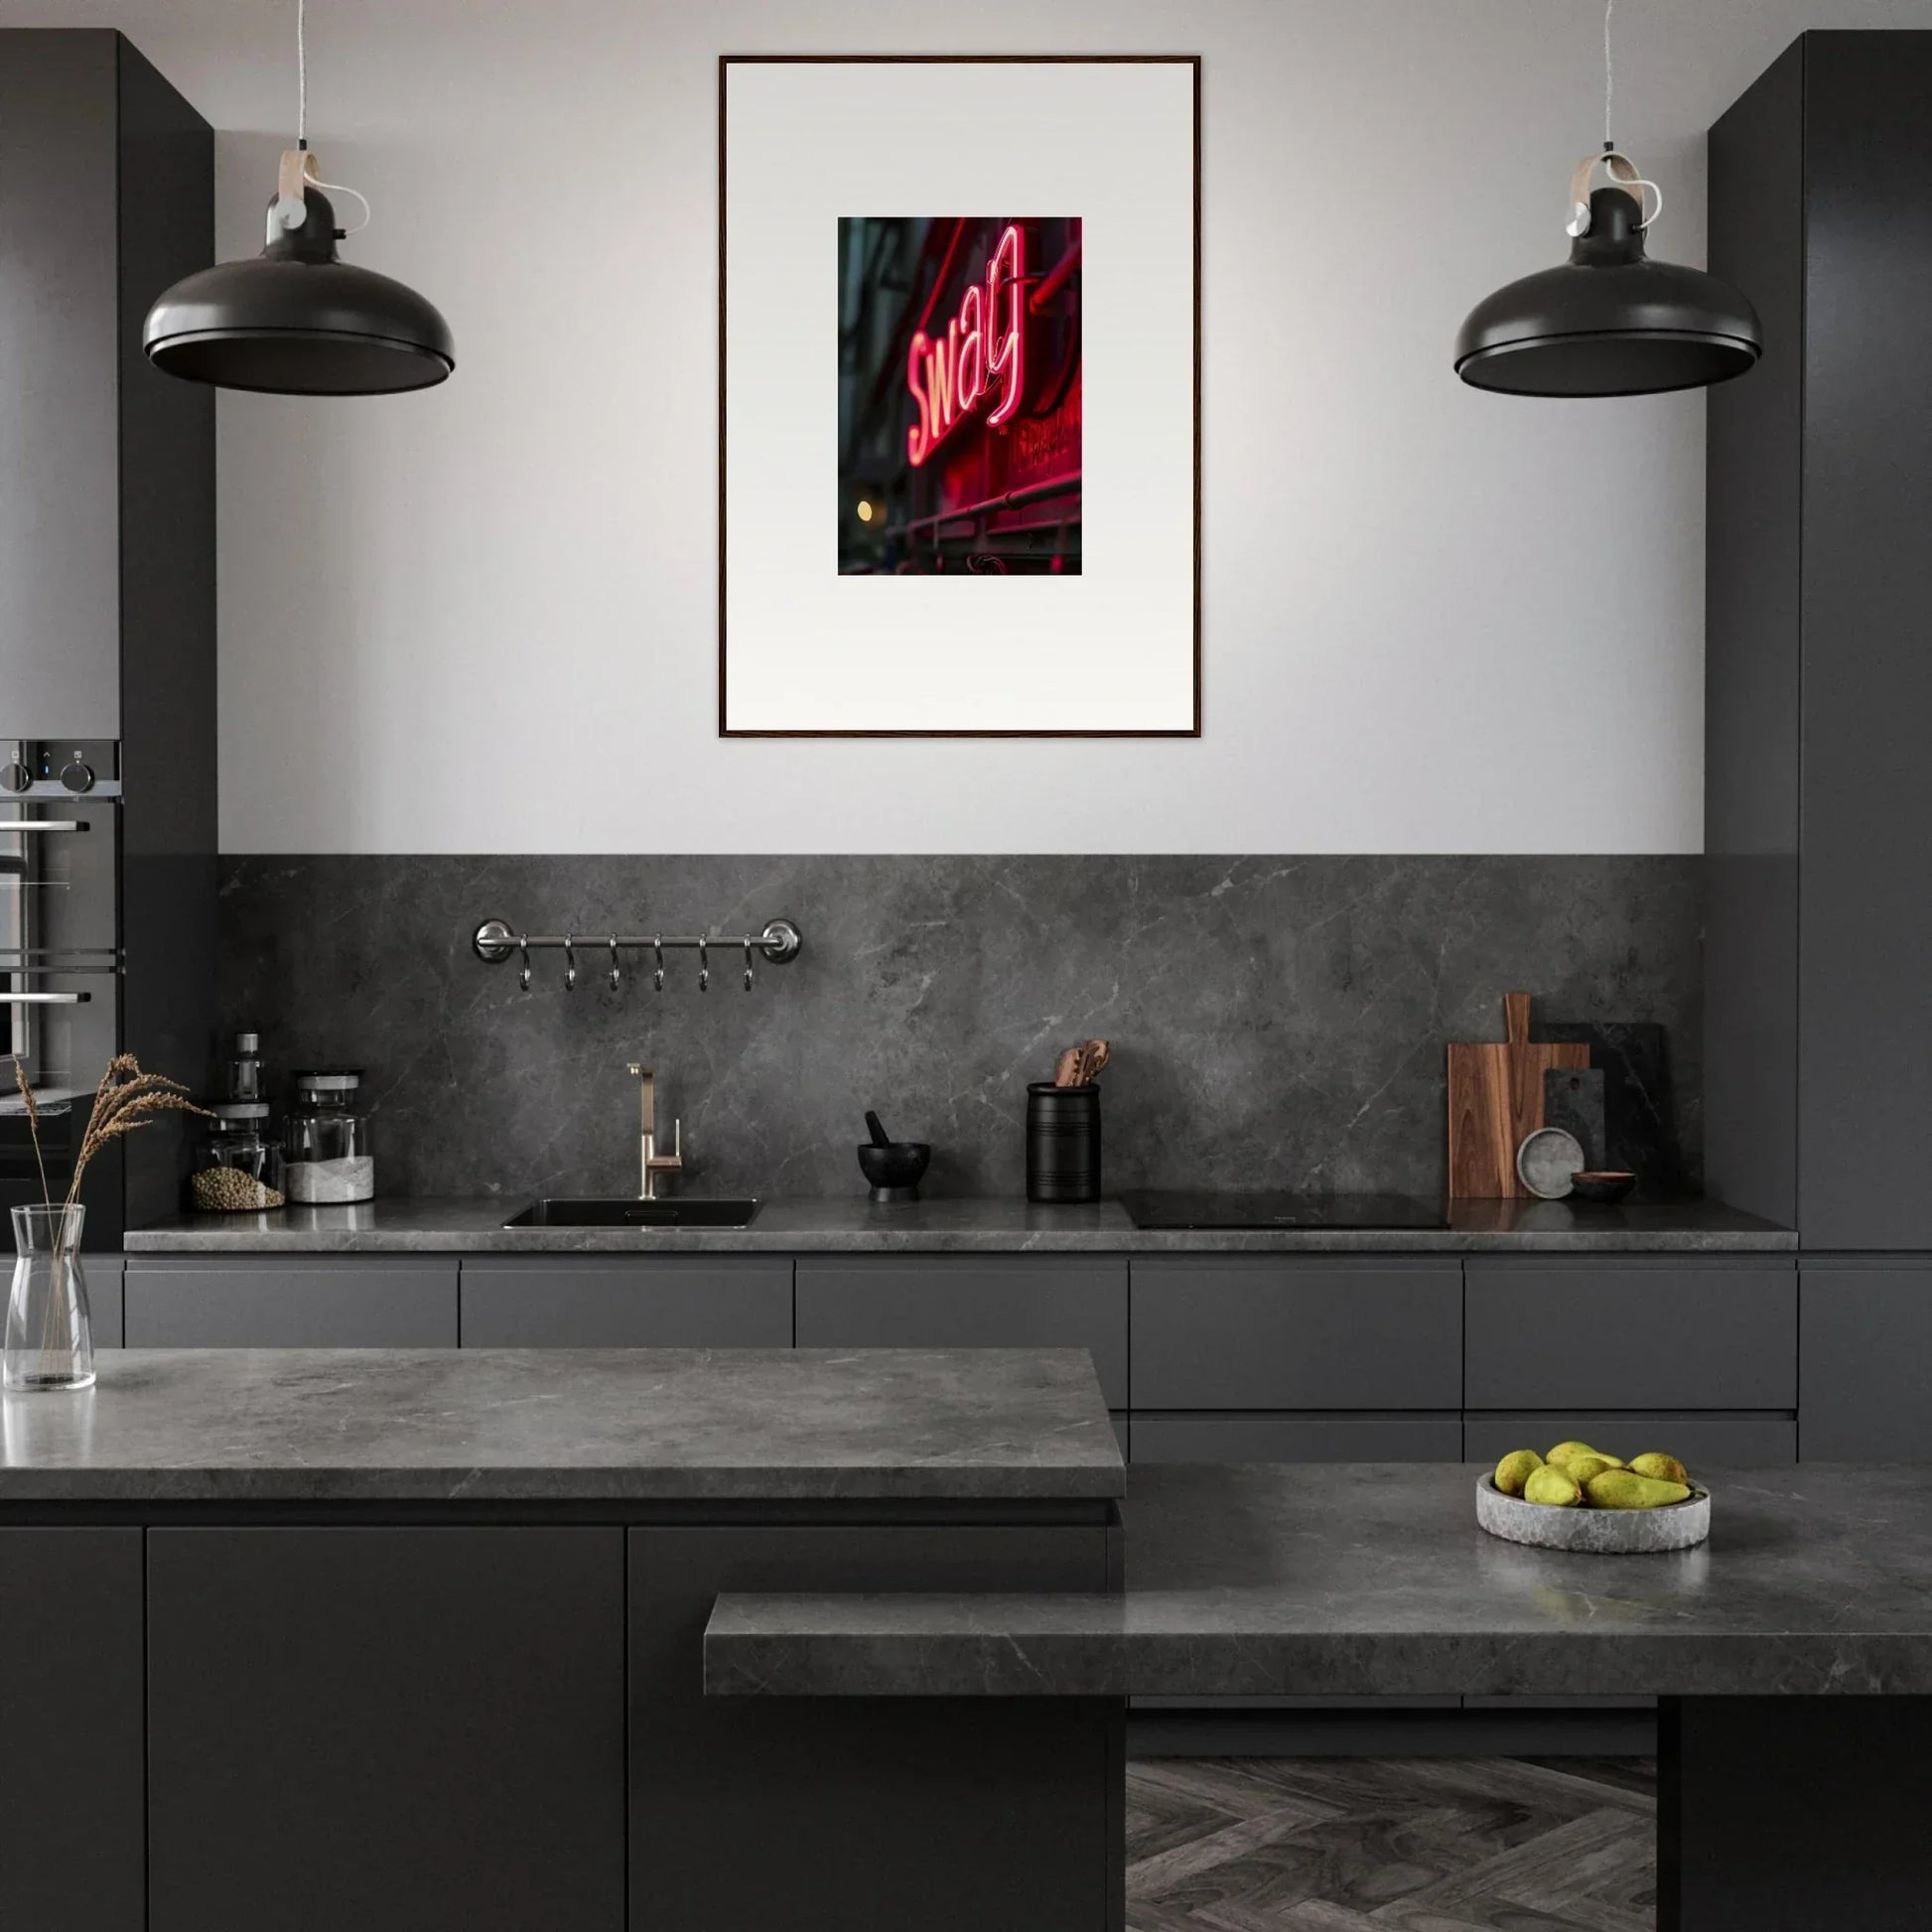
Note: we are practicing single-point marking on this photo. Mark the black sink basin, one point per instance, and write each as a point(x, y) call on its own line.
point(616, 1212)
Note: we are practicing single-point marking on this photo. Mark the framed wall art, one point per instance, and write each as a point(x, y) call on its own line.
point(959, 396)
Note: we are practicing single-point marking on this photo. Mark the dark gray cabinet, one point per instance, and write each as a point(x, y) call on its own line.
point(1255, 1332)
point(1818, 792)
point(682, 1302)
point(956, 1302)
point(397, 1729)
point(1298, 1439)
point(1555, 1333)
point(1867, 1337)
point(271, 1301)
point(1701, 1439)
point(103, 1273)
point(72, 1833)
point(968, 1805)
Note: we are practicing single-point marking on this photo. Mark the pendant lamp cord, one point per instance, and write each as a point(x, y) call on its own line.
point(291, 216)
point(1609, 74)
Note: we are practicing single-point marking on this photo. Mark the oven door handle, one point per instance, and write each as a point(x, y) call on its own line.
point(45, 999)
point(42, 825)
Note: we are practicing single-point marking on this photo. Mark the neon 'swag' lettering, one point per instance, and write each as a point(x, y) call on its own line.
point(982, 354)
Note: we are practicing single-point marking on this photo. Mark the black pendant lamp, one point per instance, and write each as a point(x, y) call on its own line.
point(1610, 322)
point(297, 320)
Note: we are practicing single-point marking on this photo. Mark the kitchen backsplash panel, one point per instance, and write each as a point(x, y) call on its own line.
point(1276, 1022)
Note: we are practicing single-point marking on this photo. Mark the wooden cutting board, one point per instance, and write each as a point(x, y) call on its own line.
point(1495, 1100)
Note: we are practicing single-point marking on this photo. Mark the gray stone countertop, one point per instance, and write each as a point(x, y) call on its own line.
point(549, 1425)
point(958, 1226)
point(1372, 1579)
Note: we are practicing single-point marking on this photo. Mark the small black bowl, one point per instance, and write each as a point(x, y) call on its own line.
point(894, 1169)
point(1603, 1187)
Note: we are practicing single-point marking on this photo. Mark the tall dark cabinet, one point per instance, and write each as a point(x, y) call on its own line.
point(1819, 699)
point(108, 717)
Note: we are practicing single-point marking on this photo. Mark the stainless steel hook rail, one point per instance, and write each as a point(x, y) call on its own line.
point(495, 940)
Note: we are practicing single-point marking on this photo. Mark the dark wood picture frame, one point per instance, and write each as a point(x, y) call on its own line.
point(724, 63)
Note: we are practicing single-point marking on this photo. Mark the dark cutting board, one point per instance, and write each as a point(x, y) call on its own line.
point(1495, 1101)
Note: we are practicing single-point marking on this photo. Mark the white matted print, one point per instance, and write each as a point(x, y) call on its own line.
point(959, 350)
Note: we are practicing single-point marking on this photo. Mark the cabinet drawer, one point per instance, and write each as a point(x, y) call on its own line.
point(1543, 1335)
point(721, 1302)
point(1298, 1439)
point(947, 1302)
point(267, 1303)
point(1721, 1442)
point(1867, 1362)
point(1236, 1332)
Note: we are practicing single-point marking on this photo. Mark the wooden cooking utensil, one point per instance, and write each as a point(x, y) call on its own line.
point(1495, 1100)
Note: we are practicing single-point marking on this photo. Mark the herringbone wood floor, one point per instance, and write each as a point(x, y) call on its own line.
point(1391, 1845)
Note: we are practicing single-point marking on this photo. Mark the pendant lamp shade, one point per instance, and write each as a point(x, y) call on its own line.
point(1610, 322)
point(299, 321)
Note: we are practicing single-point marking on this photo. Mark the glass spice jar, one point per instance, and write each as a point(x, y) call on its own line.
point(238, 1165)
point(327, 1141)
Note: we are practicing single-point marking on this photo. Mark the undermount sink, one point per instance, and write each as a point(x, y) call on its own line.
point(618, 1211)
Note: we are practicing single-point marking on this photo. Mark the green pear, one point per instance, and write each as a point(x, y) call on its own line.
point(1623, 1489)
point(1554, 1486)
point(1515, 1470)
point(1666, 1468)
point(1582, 1467)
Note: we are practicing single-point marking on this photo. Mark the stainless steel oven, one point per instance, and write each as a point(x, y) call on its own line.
point(60, 955)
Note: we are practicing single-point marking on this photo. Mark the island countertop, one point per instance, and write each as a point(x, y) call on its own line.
point(1373, 1580)
point(960, 1226)
point(566, 1426)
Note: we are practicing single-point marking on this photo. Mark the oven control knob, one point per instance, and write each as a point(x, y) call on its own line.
point(78, 776)
point(15, 776)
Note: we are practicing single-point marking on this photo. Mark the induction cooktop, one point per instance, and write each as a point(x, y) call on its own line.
point(1183, 1208)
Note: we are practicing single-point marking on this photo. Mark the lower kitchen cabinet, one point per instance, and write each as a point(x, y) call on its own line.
point(1715, 1440)
point(1867, 1338)
point(393, 1729)
point(73, 1835)
point(1553, 1332)
point(103, 1275)
point(1298, 1439)
point(293, 1302)
point(953, 1302)
point(696, 1301)
point(957, 1812)
point(1272, 1332)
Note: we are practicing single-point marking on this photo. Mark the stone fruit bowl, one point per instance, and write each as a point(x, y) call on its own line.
point(1600, 1531)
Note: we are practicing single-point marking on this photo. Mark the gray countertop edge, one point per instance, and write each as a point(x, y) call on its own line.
point(1099, 1647)
point(958, 1226)
point(467, 1427)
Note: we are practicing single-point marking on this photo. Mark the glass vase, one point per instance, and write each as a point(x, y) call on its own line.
point(49, 1333)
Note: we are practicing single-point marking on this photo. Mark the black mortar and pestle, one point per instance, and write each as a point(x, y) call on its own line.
point(893, 1166)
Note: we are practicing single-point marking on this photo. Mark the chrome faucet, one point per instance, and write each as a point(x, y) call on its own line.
point(650, 1163)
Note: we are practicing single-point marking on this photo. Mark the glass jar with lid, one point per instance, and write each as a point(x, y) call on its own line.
point(327, 1139)
point(239, 1164)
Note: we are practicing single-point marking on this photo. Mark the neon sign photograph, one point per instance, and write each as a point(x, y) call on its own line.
point(959, 396)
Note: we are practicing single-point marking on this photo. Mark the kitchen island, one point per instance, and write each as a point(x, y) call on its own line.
point(1793, 1651)
point(411, 1641)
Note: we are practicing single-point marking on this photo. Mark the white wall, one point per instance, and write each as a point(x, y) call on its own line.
point(482, 619)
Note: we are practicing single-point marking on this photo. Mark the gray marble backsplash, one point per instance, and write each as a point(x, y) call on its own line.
point(1276, 1022)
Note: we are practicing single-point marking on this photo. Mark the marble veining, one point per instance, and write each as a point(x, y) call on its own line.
point(960, 1226)
point(552, 1424)
point(1276, 1022)
point(1373, 1580)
